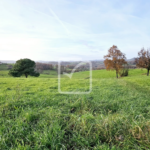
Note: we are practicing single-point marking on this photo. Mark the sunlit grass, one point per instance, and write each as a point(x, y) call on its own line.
point(115, 115)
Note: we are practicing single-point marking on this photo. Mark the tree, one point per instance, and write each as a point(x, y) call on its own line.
point(24, 67)
point(114, 60)
point(143, 61)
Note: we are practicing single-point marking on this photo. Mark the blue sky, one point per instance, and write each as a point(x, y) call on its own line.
point(72, 29)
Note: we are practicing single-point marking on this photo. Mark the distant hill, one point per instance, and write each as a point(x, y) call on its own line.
point(8, 61)
point(132, 59)
point(54, 62)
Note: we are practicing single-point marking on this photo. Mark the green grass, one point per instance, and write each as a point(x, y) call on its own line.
point(4, 74)
point(97, 74)
point(51, 74)
point(115, 115)
point(3, 67)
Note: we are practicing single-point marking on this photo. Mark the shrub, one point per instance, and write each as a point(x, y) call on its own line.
point(124, 71)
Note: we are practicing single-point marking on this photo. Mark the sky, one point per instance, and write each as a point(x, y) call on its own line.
point(67, 30)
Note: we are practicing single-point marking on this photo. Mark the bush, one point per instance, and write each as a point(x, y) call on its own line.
point(124, 71)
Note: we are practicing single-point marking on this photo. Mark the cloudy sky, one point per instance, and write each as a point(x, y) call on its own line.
point(72, 29)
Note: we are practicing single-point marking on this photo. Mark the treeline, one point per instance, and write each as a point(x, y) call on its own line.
point(5, 66)
point(69, 68)
point(44, 66)
point(40, 67)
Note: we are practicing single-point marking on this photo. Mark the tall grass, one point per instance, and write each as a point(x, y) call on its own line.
point(115, 115)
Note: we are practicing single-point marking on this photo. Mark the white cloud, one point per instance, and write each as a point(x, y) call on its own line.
point(65, 29)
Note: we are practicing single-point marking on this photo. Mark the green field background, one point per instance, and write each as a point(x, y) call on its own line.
point(115, 115)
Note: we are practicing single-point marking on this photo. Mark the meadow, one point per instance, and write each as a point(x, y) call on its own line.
point(114, 116)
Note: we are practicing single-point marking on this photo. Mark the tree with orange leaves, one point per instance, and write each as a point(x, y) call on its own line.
point(143, 61)
point(114, 60)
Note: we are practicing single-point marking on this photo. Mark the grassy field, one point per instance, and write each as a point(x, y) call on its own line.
point(115, 115)
point(3, 67)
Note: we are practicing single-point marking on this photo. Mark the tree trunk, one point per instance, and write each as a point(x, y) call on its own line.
point(116, 74)
point(26, 75)
point(148, 72)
